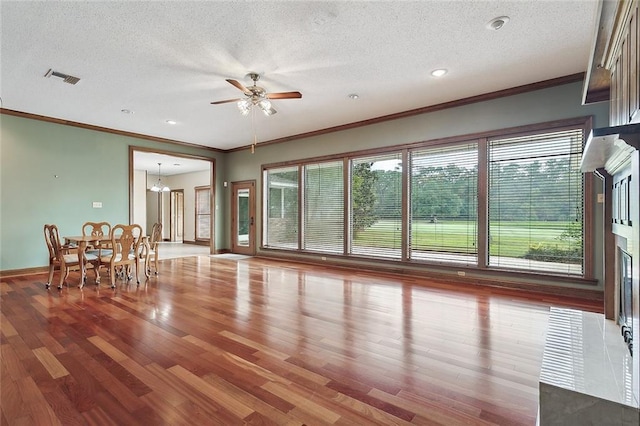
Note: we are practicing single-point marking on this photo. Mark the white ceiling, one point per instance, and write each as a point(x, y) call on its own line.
point(169, 60)
point(169, 164)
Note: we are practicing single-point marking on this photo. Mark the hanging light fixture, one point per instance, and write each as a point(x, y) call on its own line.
point(245, 105)
point(158, 186)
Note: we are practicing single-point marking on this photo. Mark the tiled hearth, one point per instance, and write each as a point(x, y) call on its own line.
point(586, 374)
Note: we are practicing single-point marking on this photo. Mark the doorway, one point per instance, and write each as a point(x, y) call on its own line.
point(243, 225)
point(182, 173)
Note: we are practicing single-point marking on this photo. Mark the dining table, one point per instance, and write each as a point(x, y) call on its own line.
point(83, 241)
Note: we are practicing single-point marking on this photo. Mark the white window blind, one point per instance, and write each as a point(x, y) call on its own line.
point(376, 206)
point(443, 204)
point(536, 200)
point(324, 207)
point(281, 217)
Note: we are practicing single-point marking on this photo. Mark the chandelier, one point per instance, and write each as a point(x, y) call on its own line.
point(158, 186)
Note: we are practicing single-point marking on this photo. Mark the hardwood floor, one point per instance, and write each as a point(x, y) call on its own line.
point(220, 341)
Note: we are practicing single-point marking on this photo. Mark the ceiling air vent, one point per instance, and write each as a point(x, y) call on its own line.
point(65, 77)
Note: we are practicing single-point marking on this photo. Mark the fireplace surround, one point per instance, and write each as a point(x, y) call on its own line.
point(589, 374)
point(612, 153)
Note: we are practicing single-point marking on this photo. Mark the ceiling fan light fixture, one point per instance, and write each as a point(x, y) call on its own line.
point(269, 111)
point(256, 96)
point(244, 106)
point(264, 104)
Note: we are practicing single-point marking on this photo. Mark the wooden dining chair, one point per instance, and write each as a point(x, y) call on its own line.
point(98, 248)
point(152, 249)
point(126, 243)
point(61, 257)
point(97, 229)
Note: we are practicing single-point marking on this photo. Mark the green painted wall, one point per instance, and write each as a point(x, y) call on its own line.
point(51, 173)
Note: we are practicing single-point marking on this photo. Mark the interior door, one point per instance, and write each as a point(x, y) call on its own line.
point(177, 216)
point(243, 217)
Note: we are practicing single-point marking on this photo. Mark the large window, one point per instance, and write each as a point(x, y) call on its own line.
point(281, 192)
point(203, 213)
point(376, 206)
point(323, 227)
point(444, 201)
point(536, 202)
point(514, 202)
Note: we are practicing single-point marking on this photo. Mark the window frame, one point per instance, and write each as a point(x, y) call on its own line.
point(432, 256)
point(197, 215)
point(356, 250)
point(266, 213)
point(587, 198)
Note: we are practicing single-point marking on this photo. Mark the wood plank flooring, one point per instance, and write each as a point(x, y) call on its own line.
point(217, 341)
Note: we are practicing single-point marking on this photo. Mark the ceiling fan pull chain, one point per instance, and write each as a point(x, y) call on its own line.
point(253, 126)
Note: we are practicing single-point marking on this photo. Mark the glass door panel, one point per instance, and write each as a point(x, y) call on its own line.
point(243, 217)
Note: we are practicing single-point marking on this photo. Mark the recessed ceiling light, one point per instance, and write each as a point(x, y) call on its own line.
point(353, 96)
point(496, 23)
point(127, 111)
point(439, 72)
point(171, 122)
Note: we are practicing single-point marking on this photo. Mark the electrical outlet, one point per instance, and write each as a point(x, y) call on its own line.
point(462, 273)
point(324, 258)
point(97, 204)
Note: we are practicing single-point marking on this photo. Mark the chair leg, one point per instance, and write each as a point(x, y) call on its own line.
point(113, 276)
point(63, 277)
point(137, 266)
point(96, 269)
point(155, 263)
point(48, 283)
point(147, 269)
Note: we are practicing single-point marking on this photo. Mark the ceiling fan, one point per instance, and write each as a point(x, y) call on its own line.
point(257, 96)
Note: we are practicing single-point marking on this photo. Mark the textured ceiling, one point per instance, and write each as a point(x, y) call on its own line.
point(169, 60)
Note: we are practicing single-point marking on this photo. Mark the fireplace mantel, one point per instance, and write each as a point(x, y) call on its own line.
point(610, 148)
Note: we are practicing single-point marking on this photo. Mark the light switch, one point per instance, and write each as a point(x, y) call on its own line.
point(600, 198)
point(97, 204)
